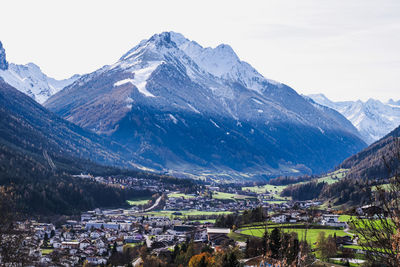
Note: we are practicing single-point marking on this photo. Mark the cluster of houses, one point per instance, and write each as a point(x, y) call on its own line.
point(206, 203)
point(100, 232)
point(322, 218)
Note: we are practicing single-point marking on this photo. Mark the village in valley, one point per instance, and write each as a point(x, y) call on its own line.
point(171, 217)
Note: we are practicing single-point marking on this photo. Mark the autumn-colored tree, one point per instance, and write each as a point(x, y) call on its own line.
point(229, 257)
point(202, 260)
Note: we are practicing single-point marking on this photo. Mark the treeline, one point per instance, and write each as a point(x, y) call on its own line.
point(347, 190)
point(62, 194)
point(353, 191)
point(184, 254)
point(237, 220)
point(39, 190)
point(303, 192)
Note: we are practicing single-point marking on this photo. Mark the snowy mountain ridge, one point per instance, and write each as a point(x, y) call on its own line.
point(220, 71)
point(221, 61)
point(30, 79)
point(372, 118)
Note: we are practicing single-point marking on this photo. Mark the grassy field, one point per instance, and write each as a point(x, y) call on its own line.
point(277, 189)
point(363, 222)
point(138, 201)
point(134, 244)
point(312, 234)
point(273, 190)
point(222, 195)
point(385, 187)
point(333, 177)
point(179, 195)
point(169, 213)
point(205, 221)
point(46, 251)
point(346, 218)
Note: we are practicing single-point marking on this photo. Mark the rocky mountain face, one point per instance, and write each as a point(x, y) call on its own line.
point(203, 111)
point(30, 80)
point(35, 134)
point(372, 118)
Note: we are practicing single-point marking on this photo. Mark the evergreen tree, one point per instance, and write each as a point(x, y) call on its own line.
point(275, 243)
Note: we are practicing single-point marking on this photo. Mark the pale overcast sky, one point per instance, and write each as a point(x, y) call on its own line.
point(346, 49)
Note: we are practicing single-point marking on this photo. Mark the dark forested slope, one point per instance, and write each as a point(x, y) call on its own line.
point(38, 153)
point(377, 161)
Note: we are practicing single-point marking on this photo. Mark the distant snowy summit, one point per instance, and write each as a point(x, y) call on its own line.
point(30, 80)
point(372, 118)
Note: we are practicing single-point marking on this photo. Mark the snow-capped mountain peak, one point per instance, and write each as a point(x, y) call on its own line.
point(394, 103)
point(221, 61)
point(30, 79)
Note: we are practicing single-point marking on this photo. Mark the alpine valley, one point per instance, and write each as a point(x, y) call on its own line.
point(178, 154)
point(202, 112)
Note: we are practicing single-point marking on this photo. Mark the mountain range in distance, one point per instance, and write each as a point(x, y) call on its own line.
point(174, 106)
point(372, 118)
point(30, 80)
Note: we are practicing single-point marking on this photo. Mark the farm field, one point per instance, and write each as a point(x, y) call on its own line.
point(134, 244)
point(205, 221)
point(274, 190)
point(312, 234)
point(179, 195)
point(139, 201)
point(222, 195)
point(184, 213)
point(333, 177)
point(46, 251)
point(346, 218)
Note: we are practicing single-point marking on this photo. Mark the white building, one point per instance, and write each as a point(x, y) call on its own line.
point(279, 218)
point(99, 225)
point(332, 220)
point(167, 238)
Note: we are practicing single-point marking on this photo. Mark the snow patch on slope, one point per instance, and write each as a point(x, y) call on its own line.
point(194, 109)
point(172, 117)
point(140, 78)
point(214, 123)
